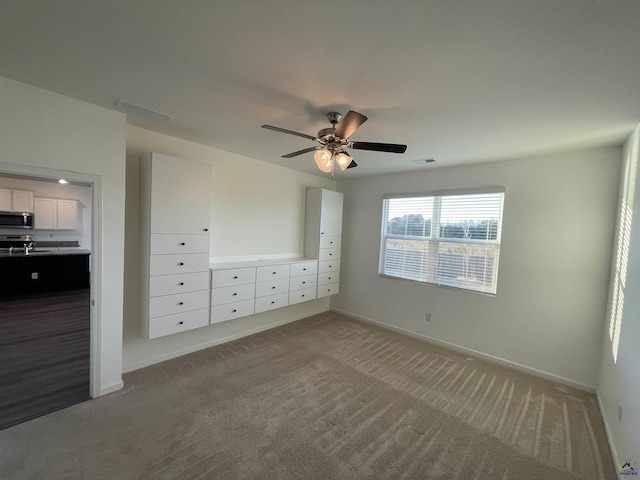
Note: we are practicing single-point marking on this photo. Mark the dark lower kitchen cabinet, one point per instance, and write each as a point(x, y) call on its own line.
point(43, 273)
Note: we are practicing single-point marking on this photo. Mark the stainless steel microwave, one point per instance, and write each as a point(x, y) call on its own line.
point(16, 220)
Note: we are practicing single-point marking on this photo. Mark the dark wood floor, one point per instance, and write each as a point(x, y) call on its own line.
point(44, 353)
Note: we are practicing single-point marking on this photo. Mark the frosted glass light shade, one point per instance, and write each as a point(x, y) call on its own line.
point(343, 160)
point(324, 160)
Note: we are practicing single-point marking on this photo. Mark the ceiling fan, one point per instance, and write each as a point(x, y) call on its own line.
point(334, 141)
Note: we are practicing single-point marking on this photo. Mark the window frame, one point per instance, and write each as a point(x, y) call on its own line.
point(434, 240)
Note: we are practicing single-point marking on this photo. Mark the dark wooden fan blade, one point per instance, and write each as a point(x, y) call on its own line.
point(349, 124)
point(379, 147)
point(353, 164)
point(290, 132)
point(300, 152)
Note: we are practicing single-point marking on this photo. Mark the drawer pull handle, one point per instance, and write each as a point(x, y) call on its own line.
point(180, 303)
point(235, 277)
point(328, 289)
point(234, 294)
point(330, 254)
point(272, 303)
point(182, 244)
point(330, 266)
point(205, 229)
point(304, 283)
point(304, 269)
point(180, 323)
point(273, 288)
point(182, 263)
point(273, 273)
point(181, 283)
point(234, 311)
point(329, 278)
point(303, 295)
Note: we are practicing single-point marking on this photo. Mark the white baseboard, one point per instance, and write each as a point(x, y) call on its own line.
point(112, 388)
point(471, 352)
point(612, 447)
point(218, 341)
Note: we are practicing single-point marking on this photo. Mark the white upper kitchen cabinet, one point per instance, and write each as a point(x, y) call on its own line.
point(45, 214)
point(67, 214)
point(16, 201)
point(55, 214)
point(180, 193)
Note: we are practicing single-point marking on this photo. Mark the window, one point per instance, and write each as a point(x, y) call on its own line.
point(450, 238)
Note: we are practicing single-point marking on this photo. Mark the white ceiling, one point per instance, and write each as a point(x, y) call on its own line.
point(459, 81)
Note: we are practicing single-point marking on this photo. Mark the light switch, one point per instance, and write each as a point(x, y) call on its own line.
point(34, 275)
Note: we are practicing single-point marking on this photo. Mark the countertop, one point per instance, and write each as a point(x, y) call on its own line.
point(258, 263)
point(46, 252)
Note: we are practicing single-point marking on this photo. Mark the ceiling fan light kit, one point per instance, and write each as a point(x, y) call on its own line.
point(335, 140)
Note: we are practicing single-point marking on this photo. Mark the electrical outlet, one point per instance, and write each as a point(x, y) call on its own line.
point(619, 413)
point(427, 317)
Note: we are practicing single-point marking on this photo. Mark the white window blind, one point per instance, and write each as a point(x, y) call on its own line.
point(449, 238)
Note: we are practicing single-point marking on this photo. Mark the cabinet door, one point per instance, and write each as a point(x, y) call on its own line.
point(331, 214)
point(45, 214)
point(180, 195)
point(5, 201)
point(22, 201)
point(67, 214)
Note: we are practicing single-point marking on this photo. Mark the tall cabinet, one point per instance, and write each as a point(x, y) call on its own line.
point(175, 202)
point(323, 237)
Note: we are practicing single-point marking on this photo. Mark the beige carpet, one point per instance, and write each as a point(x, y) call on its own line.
point(322, 398)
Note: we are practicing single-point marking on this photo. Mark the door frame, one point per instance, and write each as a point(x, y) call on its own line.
point(95, 325)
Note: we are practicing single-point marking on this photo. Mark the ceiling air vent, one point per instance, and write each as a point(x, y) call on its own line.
point(142, 111)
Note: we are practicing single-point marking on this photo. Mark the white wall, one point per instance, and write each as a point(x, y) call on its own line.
point(49, 135)
point(257, 211)
point(557, 236)
point(619, 381)
point(49, 189)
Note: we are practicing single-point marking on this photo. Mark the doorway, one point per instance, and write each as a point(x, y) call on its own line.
point(46, 320)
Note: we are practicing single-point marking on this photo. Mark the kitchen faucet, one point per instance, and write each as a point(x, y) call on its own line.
point(28, 246)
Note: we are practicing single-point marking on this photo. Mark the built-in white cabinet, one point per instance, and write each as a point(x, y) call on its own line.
point(16, 201)
point(232, 293)
point(175, 201)
point(323, 237)
point(303, 281)
point(245, 288)
point(55, 214)
point(272, 287)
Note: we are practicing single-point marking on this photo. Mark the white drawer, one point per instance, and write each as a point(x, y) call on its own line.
point(272, 301)
point(300, 296)
point(178, 243)
point(181, 322)
point(329, 266)
point(233, 276)
point(274, 272)
point(271, 288)
point(174, 264)
point(304, 268)
point(330, 242)
point(298, 283)
point(328, 254)
point(170, 284)
point(233, 294)
point(181, 302)
point(326, 278)
point(326, 290)
point(229, 311)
